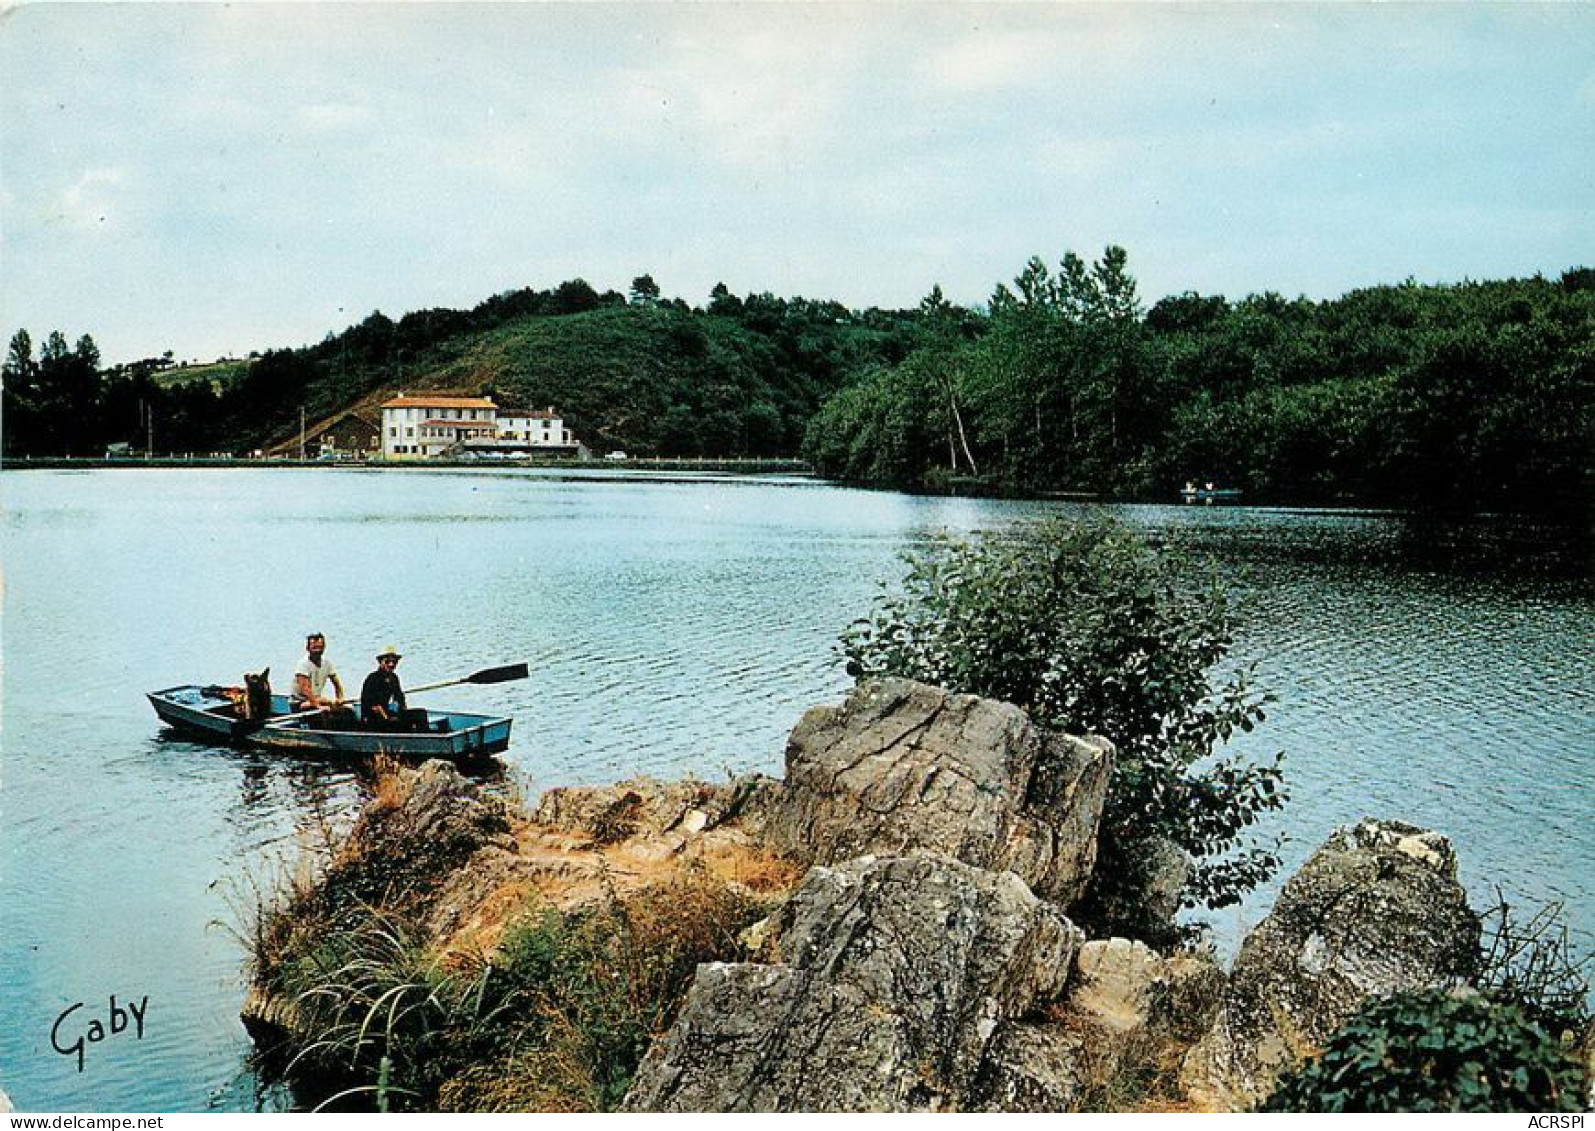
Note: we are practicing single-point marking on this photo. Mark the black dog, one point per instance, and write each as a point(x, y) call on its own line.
point(257, 696)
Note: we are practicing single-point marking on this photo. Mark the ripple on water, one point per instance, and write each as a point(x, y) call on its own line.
point(1435, 675)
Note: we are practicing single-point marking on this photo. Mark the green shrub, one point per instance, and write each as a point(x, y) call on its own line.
point(1090, 631)
point(1436, 1051)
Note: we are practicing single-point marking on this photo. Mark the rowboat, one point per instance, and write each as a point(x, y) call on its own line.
point(208, 712)
point(1210, 494)
point(444, 734)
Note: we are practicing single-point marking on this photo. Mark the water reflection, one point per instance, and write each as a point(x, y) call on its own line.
point(1437, 673)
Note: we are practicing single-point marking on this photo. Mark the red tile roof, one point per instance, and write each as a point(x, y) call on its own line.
point(439, 402)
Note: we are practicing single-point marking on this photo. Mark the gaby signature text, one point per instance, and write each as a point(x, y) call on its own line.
point(75, 1030)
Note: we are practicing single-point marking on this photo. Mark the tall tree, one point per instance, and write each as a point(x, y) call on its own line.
point(723, 302)
point(19, 379)
point(644, 291)
point(69, 394)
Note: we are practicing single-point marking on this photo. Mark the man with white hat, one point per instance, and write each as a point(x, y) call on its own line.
point(381, 697)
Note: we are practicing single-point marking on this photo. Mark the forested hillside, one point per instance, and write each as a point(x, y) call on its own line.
point(742, 376)
point(1472, 395)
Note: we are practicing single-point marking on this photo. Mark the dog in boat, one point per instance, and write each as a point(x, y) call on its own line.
point(256, 703)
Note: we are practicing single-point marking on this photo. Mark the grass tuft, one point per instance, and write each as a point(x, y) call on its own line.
point(556, 1018)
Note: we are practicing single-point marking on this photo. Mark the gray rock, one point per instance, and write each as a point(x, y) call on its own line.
point(644, 807)
point(1165, 871)
point(902, 767)
point(1032, 1068)
point(1376, 910)
point(1124, 986)
point(887, 981)
point(1138, 889)
point(1119, 984)
point(412, 837)
point(1193, 994)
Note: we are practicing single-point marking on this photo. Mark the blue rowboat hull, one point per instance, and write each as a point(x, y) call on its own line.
point(205, 711)
point(450, 734)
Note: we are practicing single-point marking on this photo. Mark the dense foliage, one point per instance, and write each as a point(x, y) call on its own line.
point(740, 377)
point(1090, 631)
point(661, 380)
point(1478, 394)
point(1475, 395)
point(1436, 1051)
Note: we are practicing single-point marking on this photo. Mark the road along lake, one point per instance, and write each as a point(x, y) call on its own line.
point(1439, 673)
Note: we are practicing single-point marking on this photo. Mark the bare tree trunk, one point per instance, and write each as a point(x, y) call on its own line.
point(963, 439)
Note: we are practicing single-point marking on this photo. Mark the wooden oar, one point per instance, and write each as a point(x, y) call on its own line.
point(486, 675)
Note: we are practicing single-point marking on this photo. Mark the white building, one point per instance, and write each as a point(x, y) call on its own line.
point(428, 427)
point(425, 427)
point(533, 429)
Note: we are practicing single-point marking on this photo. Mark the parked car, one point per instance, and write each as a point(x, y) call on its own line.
point(617, 456)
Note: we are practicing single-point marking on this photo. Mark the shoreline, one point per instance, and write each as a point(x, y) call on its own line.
point(798, 469)
point(97, 463)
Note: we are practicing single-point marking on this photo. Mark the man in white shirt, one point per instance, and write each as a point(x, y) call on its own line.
point(312, 675)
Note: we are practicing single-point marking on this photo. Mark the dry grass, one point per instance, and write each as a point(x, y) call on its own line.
point(556, 1017)
point(555, 1079)
point(532, 977)
point(391, 783)
point(1120, 1072)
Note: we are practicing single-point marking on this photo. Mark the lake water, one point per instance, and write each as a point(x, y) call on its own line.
point(1439, 674)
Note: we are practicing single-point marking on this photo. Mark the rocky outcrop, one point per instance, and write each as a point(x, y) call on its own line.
point(1117, 1036)
point(458, 866)
point(1146, 878)
point(410, 841)
point(886, 982)
point(1377, 910)
point(921, 858)
point(607, 815)
point(902, 767)
point(1119, 984)
point(1033, 1068)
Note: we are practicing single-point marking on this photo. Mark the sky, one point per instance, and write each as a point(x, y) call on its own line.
point(212, 179)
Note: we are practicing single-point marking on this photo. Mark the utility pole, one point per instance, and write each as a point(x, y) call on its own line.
point(301, 433)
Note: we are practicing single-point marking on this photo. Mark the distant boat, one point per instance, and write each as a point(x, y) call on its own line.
point(211, 713)
point(1208, 493)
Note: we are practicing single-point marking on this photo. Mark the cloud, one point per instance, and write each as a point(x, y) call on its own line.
point(403, 155)
point(93, 201)
point(991, 61)
point(746, 91)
